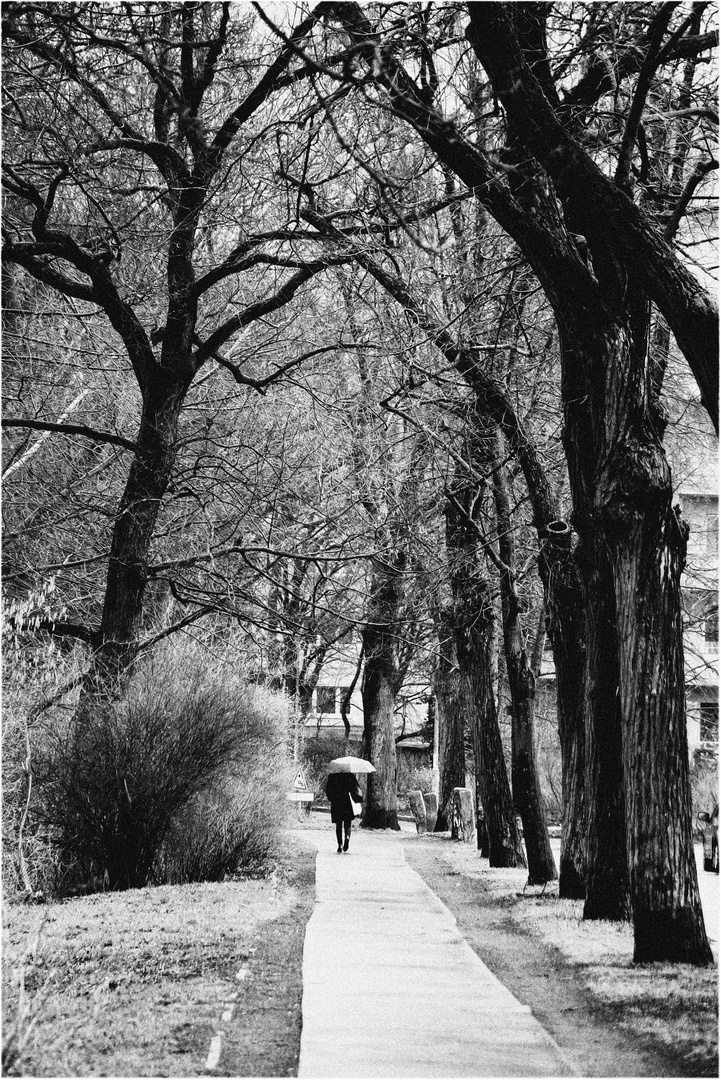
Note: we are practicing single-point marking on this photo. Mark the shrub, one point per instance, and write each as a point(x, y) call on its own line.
point(414, 778)
point(233, 827)
point(34, 671)
point(118, 786)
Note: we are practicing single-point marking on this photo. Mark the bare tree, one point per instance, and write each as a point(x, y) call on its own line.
point(138, 143)
point(599, 261)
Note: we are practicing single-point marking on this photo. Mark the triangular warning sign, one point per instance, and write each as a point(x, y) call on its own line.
point(299, 783)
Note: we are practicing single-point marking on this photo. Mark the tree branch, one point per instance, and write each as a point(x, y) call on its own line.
point(71, 429)
point(54, 627)
point(491, 397)
point(261, 384)
point(607, 214)
point(263, 307)
point(702, 170)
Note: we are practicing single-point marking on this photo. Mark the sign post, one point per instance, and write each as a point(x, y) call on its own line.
point(300, 793)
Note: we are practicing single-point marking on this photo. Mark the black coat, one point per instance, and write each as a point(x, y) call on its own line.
point(339, 788)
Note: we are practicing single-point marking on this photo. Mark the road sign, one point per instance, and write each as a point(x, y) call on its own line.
point(299, 783)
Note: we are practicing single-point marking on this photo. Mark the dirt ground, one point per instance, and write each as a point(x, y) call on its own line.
point(264, 1036)
point(592, 1033)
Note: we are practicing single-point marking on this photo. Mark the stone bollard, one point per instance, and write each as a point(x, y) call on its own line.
point(418, 809)
point(431, 800)
point(463, 826)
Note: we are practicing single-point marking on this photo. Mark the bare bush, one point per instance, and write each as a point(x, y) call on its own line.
point(235, 827)
point(117, 784)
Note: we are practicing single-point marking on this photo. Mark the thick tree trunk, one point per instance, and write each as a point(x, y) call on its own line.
point(380, 810)
point(527, 797)
point(132, 537)
point(473, 622)
point(607, 883)
point(474, 642)
point(447, 693)
point(381, 681)
point(566, 629)
point(647, 540)
point(633, 551)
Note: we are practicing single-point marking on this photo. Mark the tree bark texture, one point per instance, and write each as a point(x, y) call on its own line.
point(451, 746)
point(379, 689)
point(647, 559)
point(148, 479)
point(474, 634)
point(607, 882)
point(632, 551)
point(566, 629)
point(527, 796)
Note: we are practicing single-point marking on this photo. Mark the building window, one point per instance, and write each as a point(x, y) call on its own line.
point(709, 721)
point(710, 626)
point(325, 699)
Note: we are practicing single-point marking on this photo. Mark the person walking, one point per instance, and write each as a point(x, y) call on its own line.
point(344, 795)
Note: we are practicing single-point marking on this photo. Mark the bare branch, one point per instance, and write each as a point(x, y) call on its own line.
point(71, 429)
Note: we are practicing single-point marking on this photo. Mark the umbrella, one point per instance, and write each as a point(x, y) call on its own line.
point(350, 764)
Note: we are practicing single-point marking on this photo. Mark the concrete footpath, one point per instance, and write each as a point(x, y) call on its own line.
point(392, 989)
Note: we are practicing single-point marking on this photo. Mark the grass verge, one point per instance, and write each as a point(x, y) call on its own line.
point(666, 1013)
point(134, 983)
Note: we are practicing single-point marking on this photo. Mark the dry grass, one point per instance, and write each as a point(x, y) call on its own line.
point(674, 1006)
point(133, 983)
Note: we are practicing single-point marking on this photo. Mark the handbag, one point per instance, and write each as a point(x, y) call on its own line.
point(355, 806)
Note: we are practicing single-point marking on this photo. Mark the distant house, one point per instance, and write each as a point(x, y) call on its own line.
point(693, 454)
point(324, 717)
point(700, 595)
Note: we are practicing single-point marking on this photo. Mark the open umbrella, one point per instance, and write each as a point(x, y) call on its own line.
point(351, 764)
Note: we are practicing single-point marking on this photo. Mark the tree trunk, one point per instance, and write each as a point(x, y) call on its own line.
point(647, 540)
point(451, 748)
point(475, 639)
point(633, 546)
point(527, 797)
point(607, 883)
point(132, 537)
point(380, 810)
point(565, 626)
point(380, 685)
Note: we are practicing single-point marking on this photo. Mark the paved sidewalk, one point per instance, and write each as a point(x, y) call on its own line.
point(391, 988)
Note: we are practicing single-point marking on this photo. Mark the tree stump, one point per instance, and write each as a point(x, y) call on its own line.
point(418, 809)
point(463, 826)
point(431, 800)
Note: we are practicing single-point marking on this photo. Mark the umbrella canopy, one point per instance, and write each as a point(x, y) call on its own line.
point(350, 764)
